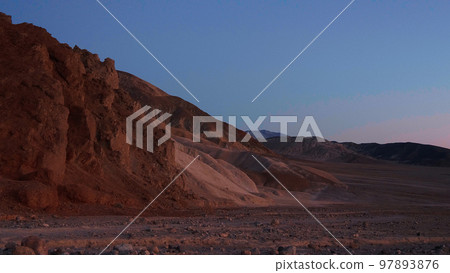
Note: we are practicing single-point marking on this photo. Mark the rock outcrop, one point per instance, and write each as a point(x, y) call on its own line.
point(62, 137)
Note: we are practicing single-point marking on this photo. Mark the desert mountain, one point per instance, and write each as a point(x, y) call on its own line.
point(266, 133)
point(62, 138)
point(349, 152)
point(311, 149)
point(405, 153)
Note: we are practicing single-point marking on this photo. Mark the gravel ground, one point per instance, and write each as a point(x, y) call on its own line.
point(274, 230)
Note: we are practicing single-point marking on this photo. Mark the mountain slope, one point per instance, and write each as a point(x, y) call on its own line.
point(349, 152)
point(311, 149)
point(406, 153)
point(61, 135)
point(265, 133)
point(62, 138)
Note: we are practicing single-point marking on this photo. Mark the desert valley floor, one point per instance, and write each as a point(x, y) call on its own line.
point(387, 209)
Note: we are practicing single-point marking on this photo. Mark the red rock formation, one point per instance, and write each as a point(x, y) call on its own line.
point(62, 136)
point(62, 131)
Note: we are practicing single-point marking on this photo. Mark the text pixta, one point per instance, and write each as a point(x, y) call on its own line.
point(308, 128)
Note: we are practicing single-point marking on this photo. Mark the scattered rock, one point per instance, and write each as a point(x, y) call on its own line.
point(314, 246)
point(290, 250)
point(155, 250)
point(246, 252)
point(35, 243)
point(275, 222)
point(224, 235)
point(124, 249)
point(23, 250)
point(354, 244)
point(172, 230)
point(10, 245)
point(441, 249)
point(174, 248)
point(57, 251)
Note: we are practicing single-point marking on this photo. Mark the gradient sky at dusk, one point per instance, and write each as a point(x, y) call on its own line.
point(380, 73)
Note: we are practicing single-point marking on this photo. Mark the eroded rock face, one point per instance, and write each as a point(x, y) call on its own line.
point(33, 130)
point(5, 18)
point(63, 124)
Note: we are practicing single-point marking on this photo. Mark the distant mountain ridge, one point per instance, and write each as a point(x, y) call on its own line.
point(265, 133)
point(404, 153)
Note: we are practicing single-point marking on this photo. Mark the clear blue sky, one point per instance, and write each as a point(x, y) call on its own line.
point(380, 73)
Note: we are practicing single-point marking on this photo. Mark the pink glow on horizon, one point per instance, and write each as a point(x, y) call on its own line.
point(433, 130)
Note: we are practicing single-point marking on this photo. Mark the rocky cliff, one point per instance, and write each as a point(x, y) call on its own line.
point(62, 137)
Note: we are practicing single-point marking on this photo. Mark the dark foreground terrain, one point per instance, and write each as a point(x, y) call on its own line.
point(387, 209)
point(407, 230)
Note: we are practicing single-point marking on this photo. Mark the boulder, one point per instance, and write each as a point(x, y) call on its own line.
point(23, 250)
point(36, 244)
point(124, 249)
